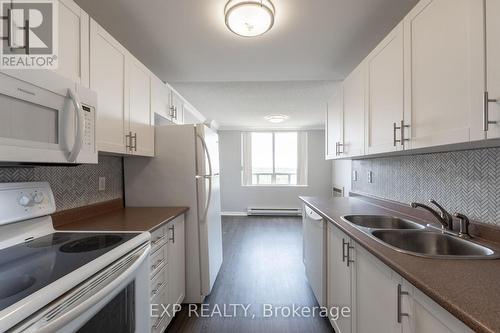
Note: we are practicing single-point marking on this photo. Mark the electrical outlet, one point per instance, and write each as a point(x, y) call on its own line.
point(102, 184)
point(355, 175)
point(370, 177)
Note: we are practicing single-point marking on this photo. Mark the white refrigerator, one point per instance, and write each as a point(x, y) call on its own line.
point(184, 172)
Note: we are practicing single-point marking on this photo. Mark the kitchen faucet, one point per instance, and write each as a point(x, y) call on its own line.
point(443, 216)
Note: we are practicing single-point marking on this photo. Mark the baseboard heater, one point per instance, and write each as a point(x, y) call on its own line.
point(274, 211)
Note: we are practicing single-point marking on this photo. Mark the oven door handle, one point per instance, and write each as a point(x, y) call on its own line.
point(80, 124)
point(82, 298)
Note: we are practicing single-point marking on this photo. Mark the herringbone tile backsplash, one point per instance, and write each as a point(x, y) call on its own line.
point(74, 186)
point(463, 181)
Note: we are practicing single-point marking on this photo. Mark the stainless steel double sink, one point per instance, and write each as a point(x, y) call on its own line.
point(413, 238)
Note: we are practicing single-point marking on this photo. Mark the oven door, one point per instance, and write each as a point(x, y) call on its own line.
point(116, 300)
point(43, 120)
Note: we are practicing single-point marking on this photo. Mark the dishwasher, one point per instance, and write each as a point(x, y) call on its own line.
point(314, 252)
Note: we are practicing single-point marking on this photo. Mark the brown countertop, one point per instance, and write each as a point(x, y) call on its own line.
point(468, 289)
point(113, 217)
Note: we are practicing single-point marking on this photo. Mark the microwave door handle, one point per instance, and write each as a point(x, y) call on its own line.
point(80, 123)
point(209, 176)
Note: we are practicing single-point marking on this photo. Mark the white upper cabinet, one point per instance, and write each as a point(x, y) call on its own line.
point(493, 67)
point(107, 78)
point(385, 101)
point(160, 98)
point(73, 60)
point(334, 126)
point(139, 121)
point(444, 72)
point(354, 113)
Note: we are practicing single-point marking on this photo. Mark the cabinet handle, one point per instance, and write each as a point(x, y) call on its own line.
point(486, 111)
point(135, 141)
point(403, 126)
point(394, 137)
point(157, 240)
point(400, 314)
point(349, 248)
point(157, 264)
point(158, 288)
point(344, 256)
point(128, 138)
point(172, 239)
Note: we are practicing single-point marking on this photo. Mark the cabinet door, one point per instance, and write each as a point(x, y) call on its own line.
point(73, 60)
point(444, 72)
point(160, 95)
point(354, 112)
point(375, 285)
point(176, 261)
point(493, 65)
point(339, 291)
point(425, 315)
point(385, 101)
point(177, 104)
point(334, 125)
point(140, 109)
point(107, 78)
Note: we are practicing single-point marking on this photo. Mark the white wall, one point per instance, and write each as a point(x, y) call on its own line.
point(237, 198)
point(341, 175)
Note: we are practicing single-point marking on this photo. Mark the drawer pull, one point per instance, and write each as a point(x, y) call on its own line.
point(157, 240)
point(158, 288)
point(157, 264)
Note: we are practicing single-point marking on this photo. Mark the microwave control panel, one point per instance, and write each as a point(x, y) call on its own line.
point(89, 128)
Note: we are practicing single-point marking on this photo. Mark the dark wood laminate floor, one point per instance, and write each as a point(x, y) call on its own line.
point(262, 265)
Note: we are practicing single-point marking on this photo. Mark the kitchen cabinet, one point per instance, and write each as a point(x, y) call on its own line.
point(160, 98)
point(73, 57)
point(176, 261)
point(444, 72)
point(123, 87)
point(425, 315)
point(376, 287)
point(493, 67)
point(354, 113)
point(385, 101)
point(176, 107)
point(108, 63)
point(140, 126)
point(167, 271)
point(341, 271)
point(334, 126)
point(380, 299)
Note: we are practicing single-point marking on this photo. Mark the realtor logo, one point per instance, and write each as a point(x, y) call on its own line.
point(28, 34)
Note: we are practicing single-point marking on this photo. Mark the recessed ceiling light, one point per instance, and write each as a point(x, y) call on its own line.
point(249, 18)
point(276, 118)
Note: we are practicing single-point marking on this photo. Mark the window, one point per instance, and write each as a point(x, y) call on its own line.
point(274, 158)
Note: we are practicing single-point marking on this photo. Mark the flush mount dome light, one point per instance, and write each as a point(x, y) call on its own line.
point(276, 118)
point(249, 18)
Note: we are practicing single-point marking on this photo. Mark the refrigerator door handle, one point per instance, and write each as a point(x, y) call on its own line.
point(209, 176)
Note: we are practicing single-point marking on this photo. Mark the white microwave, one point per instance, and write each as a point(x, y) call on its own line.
point(46, 119)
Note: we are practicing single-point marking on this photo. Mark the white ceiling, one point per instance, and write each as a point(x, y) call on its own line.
point(186, 41)
point(236, 105)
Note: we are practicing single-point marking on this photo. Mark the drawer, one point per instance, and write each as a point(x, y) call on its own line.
point(158, 239)
point(159, 283)
point(158, 324)
point(158, 260)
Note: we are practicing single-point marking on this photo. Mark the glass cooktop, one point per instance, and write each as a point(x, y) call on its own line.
point(28, 267)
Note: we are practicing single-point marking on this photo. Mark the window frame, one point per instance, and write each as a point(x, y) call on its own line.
point(273, 175)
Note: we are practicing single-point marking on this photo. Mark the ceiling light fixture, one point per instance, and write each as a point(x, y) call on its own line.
point(249, 18)
point(276, 118)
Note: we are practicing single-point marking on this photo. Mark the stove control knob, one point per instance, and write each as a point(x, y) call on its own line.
point(25, 200)
point(38, 198)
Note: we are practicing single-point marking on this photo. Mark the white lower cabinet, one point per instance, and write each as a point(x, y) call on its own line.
point(379, 298)
point(340, 274)
point(167, 272)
